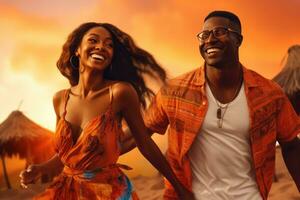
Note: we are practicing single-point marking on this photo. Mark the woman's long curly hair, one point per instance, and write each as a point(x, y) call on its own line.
point(289, 77)
point(129, 63)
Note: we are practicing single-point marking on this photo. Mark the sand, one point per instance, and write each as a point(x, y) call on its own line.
point(151, 188)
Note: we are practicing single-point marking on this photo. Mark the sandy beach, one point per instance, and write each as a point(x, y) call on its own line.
point(151, 188)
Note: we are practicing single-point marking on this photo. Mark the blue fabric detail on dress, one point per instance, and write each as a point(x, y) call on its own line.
point(89, 174)
point(127, 193)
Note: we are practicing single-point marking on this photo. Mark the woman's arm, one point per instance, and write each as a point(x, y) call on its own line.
point(129, 105)
point(54, 164)
point(33, 172)
point(128, 142)
point(51, 167)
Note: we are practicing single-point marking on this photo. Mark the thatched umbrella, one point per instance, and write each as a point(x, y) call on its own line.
point(289, 77)
point(22, 137)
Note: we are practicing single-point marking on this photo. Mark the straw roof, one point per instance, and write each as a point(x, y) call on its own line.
point(21, 136)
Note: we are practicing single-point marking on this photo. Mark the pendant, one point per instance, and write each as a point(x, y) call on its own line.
point(219, 113)
point(220, 123)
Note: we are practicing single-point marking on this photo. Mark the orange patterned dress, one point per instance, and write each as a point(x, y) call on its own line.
point(90, 171)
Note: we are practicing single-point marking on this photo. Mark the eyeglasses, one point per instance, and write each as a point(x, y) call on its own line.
point(217, 32)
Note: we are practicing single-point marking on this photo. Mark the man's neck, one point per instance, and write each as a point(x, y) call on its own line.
point(223, 77)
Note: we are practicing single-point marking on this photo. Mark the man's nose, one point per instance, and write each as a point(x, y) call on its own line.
point(211, 37)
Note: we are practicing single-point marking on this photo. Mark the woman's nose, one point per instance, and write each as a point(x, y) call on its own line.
point(99, 45)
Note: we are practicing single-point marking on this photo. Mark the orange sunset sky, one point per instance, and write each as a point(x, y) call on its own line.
point(33, 32)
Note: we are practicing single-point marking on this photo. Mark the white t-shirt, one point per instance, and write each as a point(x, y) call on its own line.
point(221, 159)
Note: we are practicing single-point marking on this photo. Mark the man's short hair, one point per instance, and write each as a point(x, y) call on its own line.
point(228, 15)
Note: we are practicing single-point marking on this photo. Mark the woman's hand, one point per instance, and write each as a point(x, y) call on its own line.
point(186, 195)
point(30, 175)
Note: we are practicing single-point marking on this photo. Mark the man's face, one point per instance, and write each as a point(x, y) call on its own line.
point(221, 50)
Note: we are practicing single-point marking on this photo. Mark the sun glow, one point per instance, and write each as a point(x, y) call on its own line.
point(33, 33)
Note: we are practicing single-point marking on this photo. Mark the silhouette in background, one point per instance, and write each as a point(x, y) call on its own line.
point(289, 77)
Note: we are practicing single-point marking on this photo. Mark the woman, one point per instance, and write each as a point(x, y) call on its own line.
point(289, 77)
point(105, 70)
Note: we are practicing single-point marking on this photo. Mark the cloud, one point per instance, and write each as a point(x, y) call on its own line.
point(31, 44)
point(166, 29)
point(55, 9)
point(34, 99)
point(36, 59)
point(33, 32)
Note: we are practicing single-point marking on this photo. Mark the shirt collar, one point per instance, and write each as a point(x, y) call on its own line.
point(199, 76)
point(249, 79)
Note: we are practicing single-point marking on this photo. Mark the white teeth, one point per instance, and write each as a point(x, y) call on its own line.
point(96, 56)
point(212, 50)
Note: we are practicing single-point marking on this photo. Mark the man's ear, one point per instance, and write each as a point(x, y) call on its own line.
point(239, 40)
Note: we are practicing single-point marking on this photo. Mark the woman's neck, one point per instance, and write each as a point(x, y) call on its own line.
point(89, 82)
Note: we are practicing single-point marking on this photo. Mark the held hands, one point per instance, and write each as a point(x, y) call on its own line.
point(185, 194)
point(30, 175)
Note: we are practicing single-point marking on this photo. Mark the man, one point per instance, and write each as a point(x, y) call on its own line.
point(223, 121)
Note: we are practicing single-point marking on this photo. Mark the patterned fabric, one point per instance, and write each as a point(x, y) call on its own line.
point(181, 106)
point(91, 171)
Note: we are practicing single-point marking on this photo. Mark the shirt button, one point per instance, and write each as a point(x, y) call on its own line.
point(203, 103)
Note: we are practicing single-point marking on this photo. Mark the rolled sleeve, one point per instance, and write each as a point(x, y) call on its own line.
point(155, 116)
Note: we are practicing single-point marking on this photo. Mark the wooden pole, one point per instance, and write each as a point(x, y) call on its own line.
point(5, 172)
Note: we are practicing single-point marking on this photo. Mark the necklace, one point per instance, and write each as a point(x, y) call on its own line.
point(220, 115)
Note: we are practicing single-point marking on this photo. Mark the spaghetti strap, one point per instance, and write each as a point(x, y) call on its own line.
point(110, 94)
point(66, 98)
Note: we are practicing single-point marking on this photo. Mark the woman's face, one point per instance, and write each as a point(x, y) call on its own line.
point(96, 49)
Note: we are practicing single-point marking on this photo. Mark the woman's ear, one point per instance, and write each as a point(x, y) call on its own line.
point(77, 52)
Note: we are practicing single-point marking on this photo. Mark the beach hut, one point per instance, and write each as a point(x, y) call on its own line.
point(20, 136)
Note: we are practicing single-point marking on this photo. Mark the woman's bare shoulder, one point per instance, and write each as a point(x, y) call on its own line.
point(122, 87)
point(125, 94)
point(58, 99)
point(59, 95)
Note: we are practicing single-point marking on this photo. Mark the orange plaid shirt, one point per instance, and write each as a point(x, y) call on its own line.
point(180, 108)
